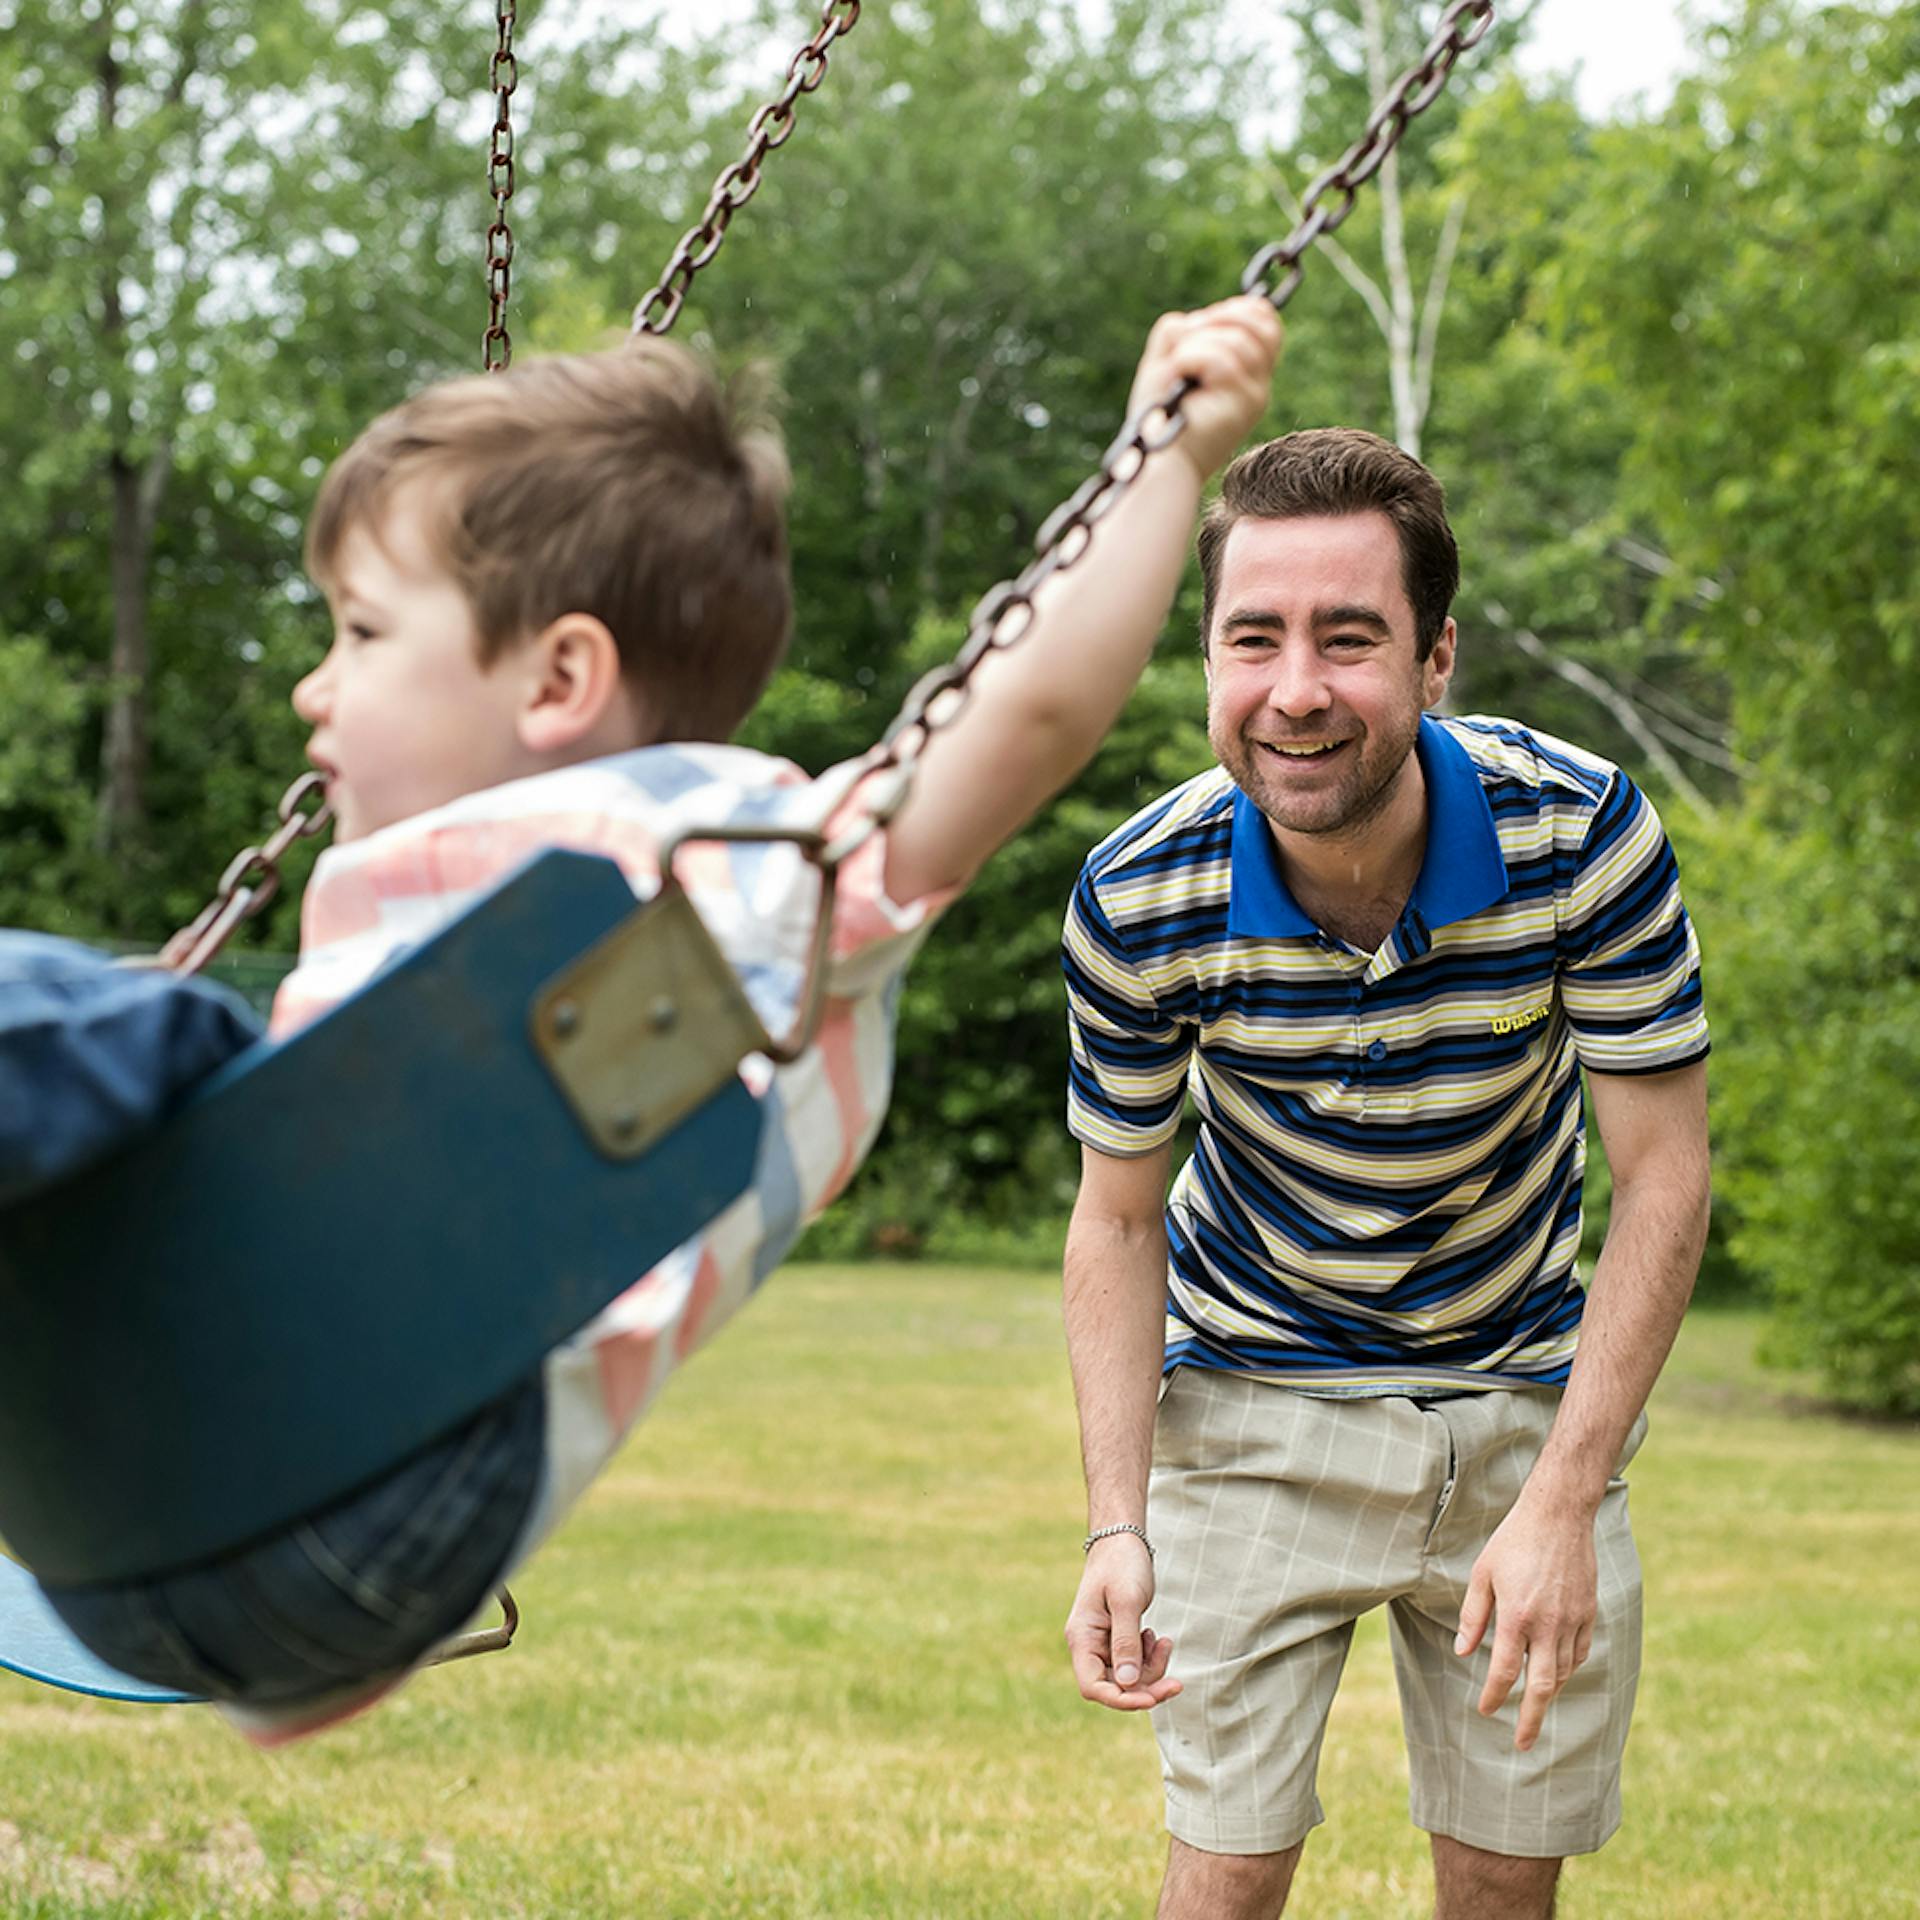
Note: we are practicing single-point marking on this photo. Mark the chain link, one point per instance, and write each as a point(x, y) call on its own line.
point(1463, 27)
point(251, 880)
point(771, 127)
point(503, 75)
point(1006, 613)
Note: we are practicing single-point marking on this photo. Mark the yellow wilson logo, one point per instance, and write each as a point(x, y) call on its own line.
point(1514, 1022)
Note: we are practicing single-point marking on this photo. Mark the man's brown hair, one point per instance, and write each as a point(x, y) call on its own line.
point(629, 485)
point(1340, 470)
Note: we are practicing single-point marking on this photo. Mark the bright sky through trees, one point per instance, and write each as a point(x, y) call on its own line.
point(1619, 48)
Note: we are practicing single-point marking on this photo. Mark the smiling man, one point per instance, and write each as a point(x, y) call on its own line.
point(1347, 1362)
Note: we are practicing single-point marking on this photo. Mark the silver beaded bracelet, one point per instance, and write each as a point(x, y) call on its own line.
point(1124, 1526)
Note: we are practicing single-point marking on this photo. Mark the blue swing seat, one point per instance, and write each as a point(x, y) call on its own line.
point(35, 1643)
point(344, 1245)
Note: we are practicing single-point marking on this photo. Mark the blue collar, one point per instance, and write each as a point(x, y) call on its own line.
point(1462, 873)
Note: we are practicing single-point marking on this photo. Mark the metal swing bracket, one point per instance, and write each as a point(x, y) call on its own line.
point(498, 1639)
point(651, 1021)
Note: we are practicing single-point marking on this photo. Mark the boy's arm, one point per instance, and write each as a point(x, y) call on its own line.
point(1038, 710)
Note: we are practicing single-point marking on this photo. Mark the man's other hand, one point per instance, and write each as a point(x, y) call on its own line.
point(1538, 1581)
point(1118, 1662)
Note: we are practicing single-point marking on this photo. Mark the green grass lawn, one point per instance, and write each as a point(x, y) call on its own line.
point(800, 1655)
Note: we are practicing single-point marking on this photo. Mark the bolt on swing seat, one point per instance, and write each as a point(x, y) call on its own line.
point(344, 1245)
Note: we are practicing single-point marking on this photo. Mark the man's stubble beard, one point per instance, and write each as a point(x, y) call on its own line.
point(1349, 808)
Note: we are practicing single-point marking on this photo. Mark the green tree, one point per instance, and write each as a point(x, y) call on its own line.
point(1742, 271)
point(242, 229)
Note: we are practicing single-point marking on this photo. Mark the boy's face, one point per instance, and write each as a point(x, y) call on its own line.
point(404, 715)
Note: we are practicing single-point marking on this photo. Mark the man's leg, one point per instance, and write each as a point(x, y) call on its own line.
point(1502, 1819)
point(1469, 1884)
point(1278, 1519)
point(1225, 1886)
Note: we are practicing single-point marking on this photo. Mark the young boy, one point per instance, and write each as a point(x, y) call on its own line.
point(554, 591)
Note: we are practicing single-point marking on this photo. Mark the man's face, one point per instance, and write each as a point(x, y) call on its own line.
point(404, 715)
point(1314, 688)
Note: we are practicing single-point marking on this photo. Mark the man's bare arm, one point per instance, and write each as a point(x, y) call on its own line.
point(1537, 1578)
point(1115, 1311)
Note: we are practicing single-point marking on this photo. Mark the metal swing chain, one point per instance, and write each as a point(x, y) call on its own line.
point(251, 880)
point(1006, 613)
point(253, 877)
point(771, 127)
point(1462, 28)
point(503, 75)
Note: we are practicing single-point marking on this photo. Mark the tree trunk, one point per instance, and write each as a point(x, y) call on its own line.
point(123, 770)
point(134, 487)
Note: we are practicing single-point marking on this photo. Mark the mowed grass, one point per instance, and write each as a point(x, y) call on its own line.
point(799, 1655)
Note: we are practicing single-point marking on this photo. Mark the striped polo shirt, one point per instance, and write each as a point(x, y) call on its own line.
point(1384, 1194)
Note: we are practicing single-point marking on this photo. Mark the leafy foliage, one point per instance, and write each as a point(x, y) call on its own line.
point(1743, 271)
point(44, 801)
point(1677, 405)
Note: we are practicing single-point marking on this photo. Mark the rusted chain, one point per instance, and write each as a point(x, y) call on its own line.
point(1463, 27)
point(251, 880)
point(769, 128)
point(503, 75)
point(1006, 613)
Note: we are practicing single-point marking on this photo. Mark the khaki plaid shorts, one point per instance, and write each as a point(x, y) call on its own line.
point(1279, 1518)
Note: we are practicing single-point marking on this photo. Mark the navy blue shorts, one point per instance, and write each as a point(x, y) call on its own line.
point(93, 1053)
point(357, 1592)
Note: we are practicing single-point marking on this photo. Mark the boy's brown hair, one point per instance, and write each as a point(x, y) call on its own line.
point(1330, 471)
point(628, 485)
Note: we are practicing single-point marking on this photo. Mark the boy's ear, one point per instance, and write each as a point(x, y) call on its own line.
point(576, 698)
